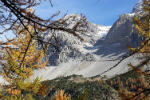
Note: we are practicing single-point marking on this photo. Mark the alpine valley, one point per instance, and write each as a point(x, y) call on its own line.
point(84, 69)
point(103, 47)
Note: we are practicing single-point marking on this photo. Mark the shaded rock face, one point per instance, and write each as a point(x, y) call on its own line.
point(123, 32)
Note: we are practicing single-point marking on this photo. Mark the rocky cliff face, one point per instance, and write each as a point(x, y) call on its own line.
point(123, 31)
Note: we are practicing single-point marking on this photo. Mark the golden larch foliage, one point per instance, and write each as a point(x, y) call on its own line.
point(62, 96)
point(22, 57)
point(139, 88)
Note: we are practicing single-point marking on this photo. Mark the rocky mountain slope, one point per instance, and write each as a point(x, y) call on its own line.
point(123, 31)
point(72, 48)
point(98, 53)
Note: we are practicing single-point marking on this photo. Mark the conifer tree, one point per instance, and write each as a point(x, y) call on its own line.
point(21, 58)
point(62, 96)
point(21, 55)
point(140, 90)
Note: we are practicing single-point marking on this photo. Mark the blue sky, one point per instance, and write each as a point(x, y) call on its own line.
point(103, 12)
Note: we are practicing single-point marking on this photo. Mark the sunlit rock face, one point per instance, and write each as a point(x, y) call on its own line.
point(71, 47)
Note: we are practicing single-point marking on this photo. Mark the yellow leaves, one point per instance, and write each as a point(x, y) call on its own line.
point(8, 79)
point(33, 57)
point(42, 90)
point(145, 2)
point(131, 49)
point(42, 65)
point(139, 71)
point(140, 30)
point(136, 87)
point(28, 97)
point(25, 72)
point(142, 25)
point(23, 85)
point(137, 21)
point(29, 86)
point(20, 63)
point(123, 96)
point(146, 8)
point(14, 92)
point(62, 96)
point(29, 9)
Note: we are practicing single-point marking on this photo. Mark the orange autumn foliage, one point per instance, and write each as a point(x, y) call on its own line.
point(62, 96)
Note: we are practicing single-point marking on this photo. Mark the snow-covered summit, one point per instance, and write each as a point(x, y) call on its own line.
point(72, 48)
point(138, 7)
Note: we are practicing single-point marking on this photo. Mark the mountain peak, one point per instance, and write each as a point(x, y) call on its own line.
point(72, 48)
point(138, 7)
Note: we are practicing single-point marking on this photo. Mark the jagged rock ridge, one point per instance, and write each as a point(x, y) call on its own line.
point(70, 47)
point(123, 31)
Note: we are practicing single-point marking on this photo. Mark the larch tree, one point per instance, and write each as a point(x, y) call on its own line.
point(18, 67)
point(139, 88)
point(21, 55)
